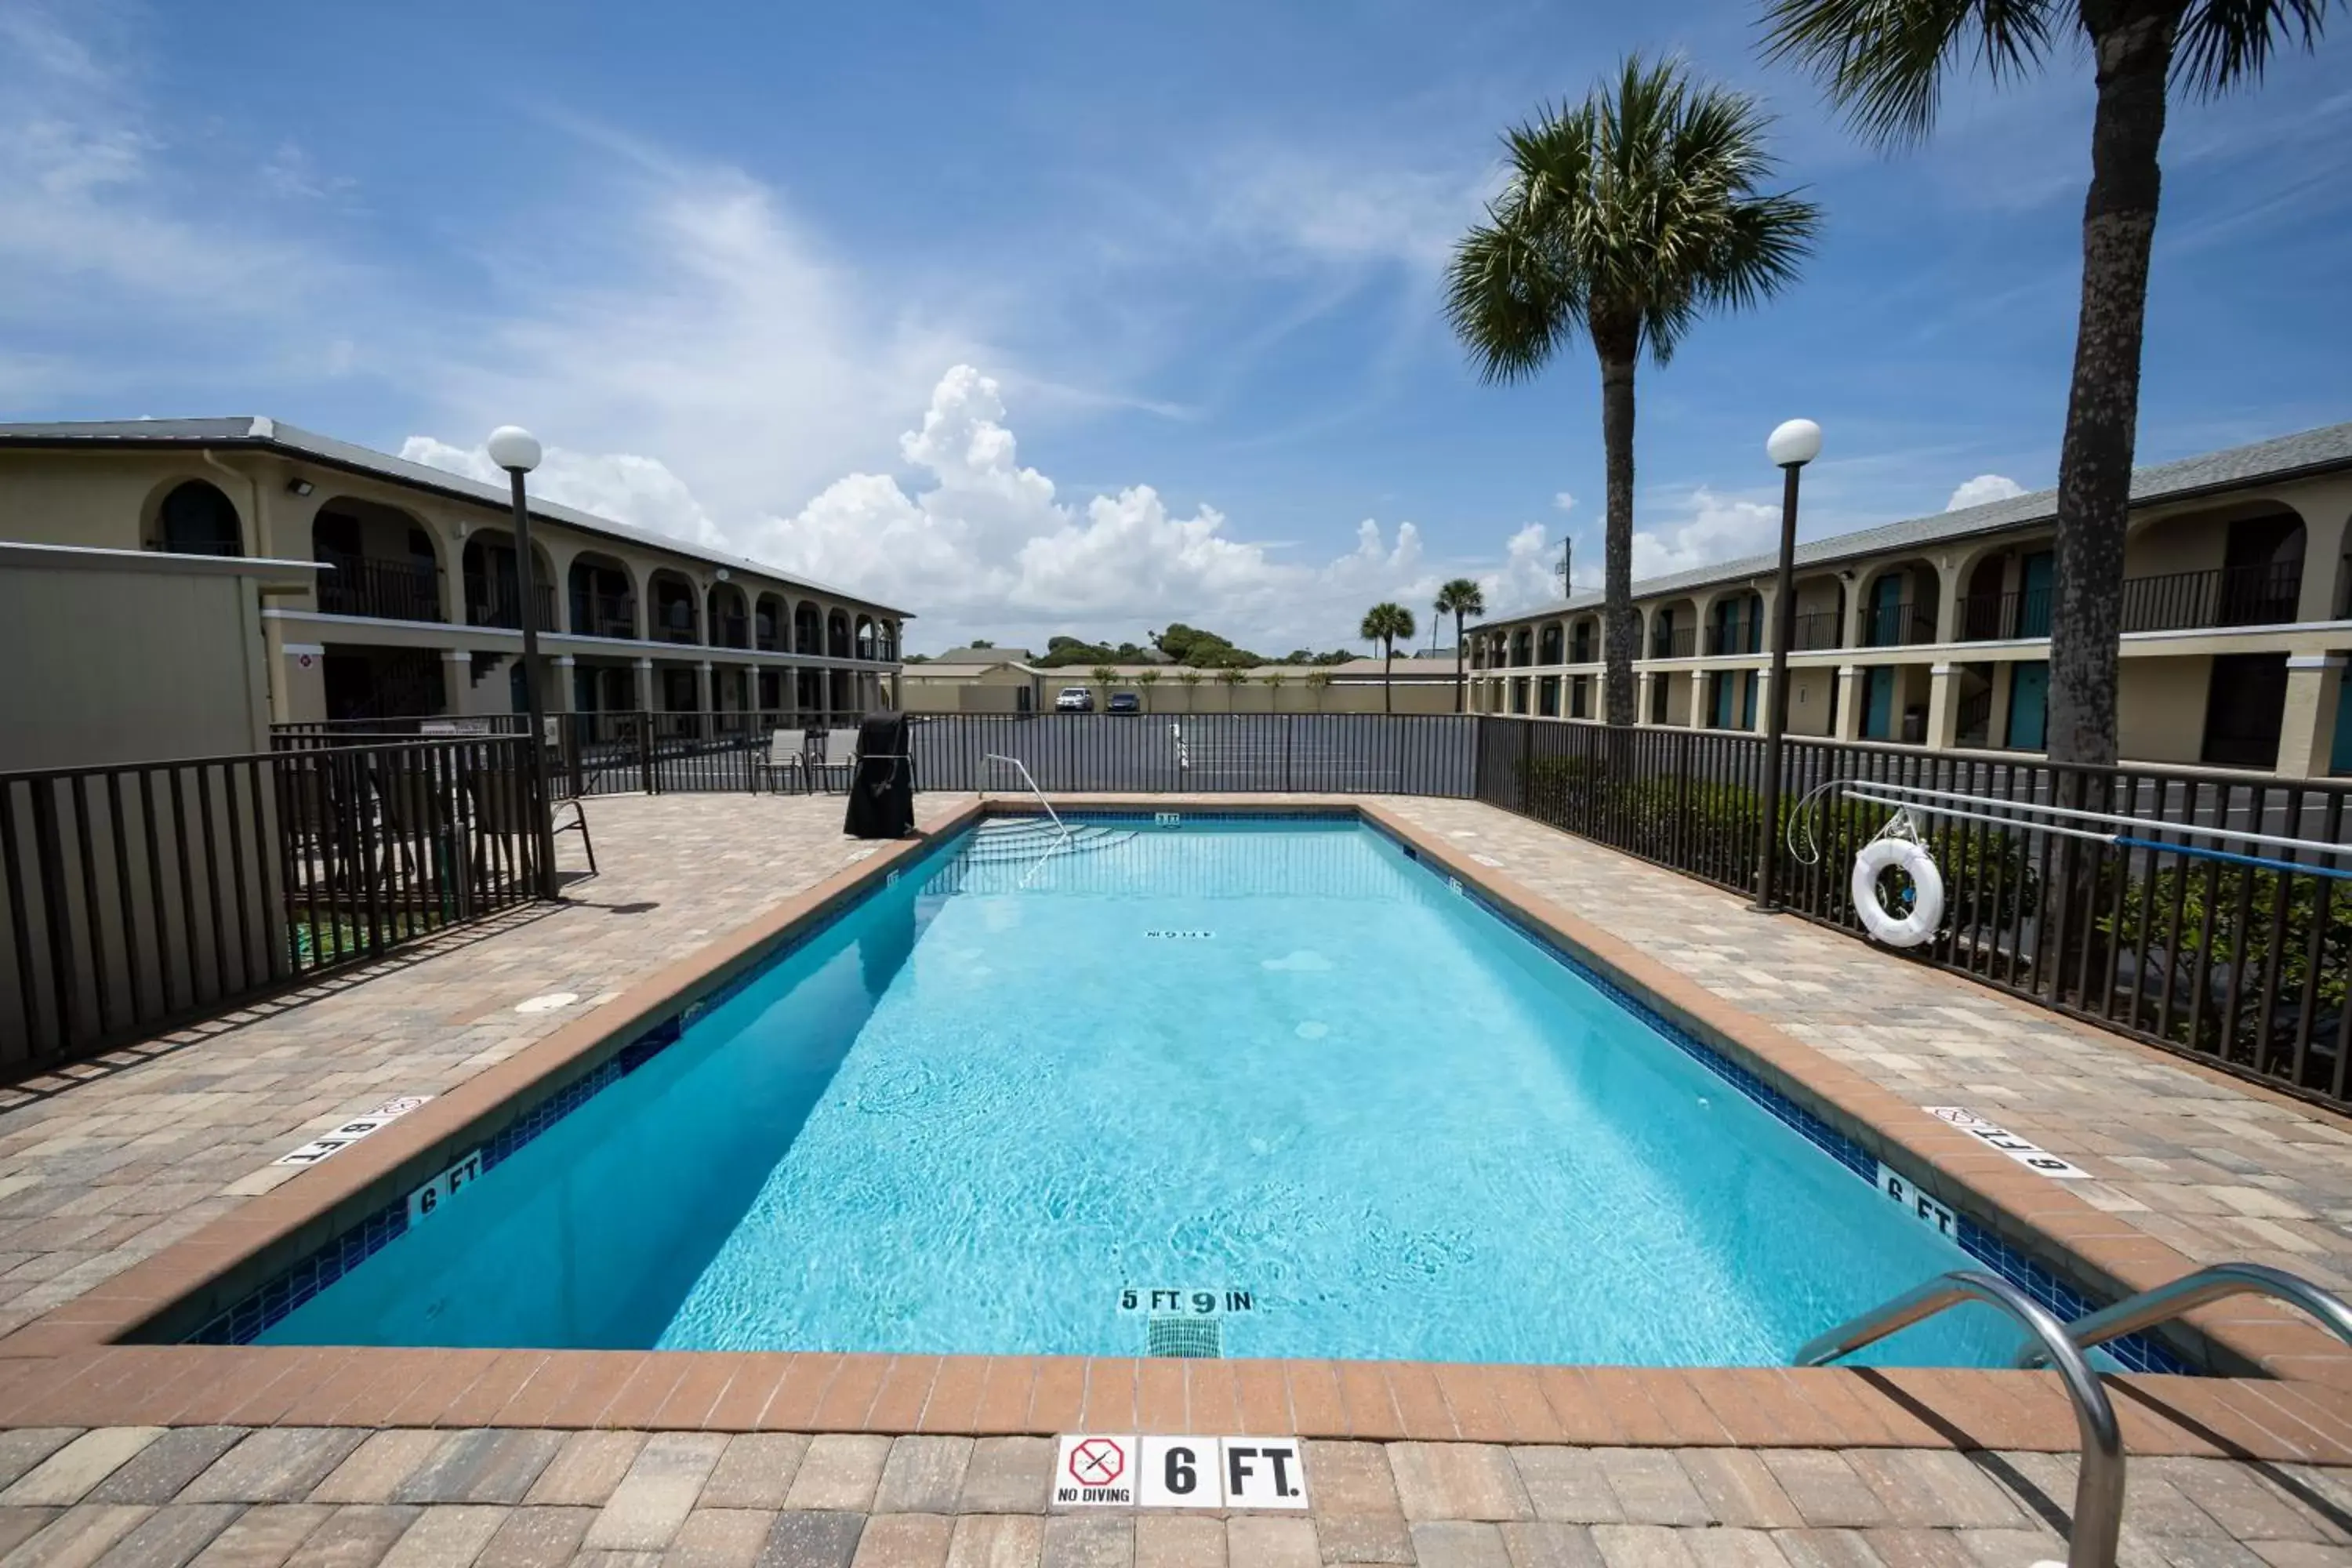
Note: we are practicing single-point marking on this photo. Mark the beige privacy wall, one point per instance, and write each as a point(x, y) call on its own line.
point(129, 656)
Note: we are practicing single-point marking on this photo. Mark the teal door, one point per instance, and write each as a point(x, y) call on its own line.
point(1748, 699)
point(2033, 596)
point(2339, 756)
point(2029, 702)
point(1886, 611)
point(1878, 703)
point(1723, 684)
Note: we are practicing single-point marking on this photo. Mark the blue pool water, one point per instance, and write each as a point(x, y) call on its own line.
point(1279, 1064)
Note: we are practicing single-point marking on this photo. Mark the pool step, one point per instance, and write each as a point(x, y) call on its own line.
point(1027, 837)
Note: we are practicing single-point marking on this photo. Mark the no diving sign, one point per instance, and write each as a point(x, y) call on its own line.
point(1095, 1471)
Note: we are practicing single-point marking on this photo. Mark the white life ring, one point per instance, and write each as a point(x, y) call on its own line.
point(1927, 891)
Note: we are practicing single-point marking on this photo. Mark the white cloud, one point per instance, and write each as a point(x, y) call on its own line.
point(1982, 488)
point(1562, 502)
point(982, 544)
point(1719, 527)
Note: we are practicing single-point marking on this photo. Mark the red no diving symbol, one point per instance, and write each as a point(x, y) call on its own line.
point(1097, 1462)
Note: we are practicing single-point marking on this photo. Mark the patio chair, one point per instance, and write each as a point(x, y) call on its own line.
point(499, 812)
point(840, 757)
point(784, 758)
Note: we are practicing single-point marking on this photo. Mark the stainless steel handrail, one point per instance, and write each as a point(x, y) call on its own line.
point(2165, 1302)
point(1061, 828)
point(2099, 1487)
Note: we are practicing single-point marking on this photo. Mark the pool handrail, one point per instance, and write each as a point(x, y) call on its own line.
point(2162, 1303)
point(1061, 828)
point(2099, 1485)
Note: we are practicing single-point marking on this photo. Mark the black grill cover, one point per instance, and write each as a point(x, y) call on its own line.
point(882, 793)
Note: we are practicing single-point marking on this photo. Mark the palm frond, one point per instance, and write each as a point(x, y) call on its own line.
point(1883, 61)
point(2225, 42)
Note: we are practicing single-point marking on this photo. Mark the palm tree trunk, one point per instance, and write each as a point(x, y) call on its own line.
point(1388, 662)
point(1619, 628)
point(2132, 41)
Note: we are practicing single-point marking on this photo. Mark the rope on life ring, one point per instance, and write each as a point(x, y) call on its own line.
point(1898, 847)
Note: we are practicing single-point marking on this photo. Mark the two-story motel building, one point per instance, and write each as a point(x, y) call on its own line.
point(416, 612)
point(1934, 632)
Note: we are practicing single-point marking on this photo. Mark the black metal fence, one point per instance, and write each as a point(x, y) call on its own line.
point(2243, 962)
point(137, 896)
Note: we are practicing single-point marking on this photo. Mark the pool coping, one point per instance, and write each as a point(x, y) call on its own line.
point(67, 1368)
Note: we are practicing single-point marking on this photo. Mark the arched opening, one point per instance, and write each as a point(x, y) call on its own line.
point(196, 518)
point(1550, 643)
point(1898, 605)
point(382, 562)
point(768, 629)
point(1584, 642)
point(1523, 648)
point(1673, 629)
point(865, 642)
point(837, 637)
point(1734, 623)
point(808, 632)
point(730, 625)
point(676, 612)
point(494, 584)
point(1819, 620)
point(2234, 567)
point(604, 601)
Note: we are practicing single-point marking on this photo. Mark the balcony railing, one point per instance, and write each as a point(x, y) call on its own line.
point(498, 604)
point(1734, 639)
point(1675, 644)
point(386, 590)
point(674, 622)
point(605, 615)
point(764, 633)
point(1995, 617)
point(1819, 629)
point(731, 631)
point(2262, 596)
point(1891, 626)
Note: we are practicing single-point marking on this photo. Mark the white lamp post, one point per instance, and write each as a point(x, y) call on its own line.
point(517, 451)
point(1792, 445)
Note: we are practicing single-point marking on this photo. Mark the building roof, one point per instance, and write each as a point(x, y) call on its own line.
point(985, 656)
point(2308, 452)
point(304, 446)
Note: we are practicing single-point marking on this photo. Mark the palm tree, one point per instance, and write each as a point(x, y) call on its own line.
point(1885, 64)
point(1626, 218)
point(1460, 598)
point(1146, 679)
point(1385, 624)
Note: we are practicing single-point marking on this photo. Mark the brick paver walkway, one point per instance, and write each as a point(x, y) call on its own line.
point(215, 1495)
point(2207, 1168)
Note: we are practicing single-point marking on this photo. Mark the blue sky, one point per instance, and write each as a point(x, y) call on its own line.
point(1075, 317)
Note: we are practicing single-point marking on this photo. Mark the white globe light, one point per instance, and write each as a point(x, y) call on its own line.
point(516, 450)
point(1792, 443)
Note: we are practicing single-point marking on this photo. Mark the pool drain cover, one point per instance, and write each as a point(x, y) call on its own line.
point(1197, 1337)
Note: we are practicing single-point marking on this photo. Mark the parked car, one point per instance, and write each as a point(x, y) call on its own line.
point(1075, 699)
point(1125, 702)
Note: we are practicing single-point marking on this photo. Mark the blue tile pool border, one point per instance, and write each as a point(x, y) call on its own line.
point(262, 1308)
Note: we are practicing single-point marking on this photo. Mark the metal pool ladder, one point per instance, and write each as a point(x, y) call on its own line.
point(2099, 1485)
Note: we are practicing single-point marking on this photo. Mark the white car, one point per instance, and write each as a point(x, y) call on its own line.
point(1075, 699)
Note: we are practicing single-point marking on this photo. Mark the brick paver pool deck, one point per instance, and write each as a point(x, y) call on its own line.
point(104, 1167)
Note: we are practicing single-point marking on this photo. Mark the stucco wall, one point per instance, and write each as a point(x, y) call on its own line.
point(112, 666)
point(2160, 709)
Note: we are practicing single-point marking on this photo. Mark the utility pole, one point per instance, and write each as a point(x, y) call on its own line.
point(1566, 556)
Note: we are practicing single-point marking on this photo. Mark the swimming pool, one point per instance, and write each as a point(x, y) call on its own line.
point(1239, 1087)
